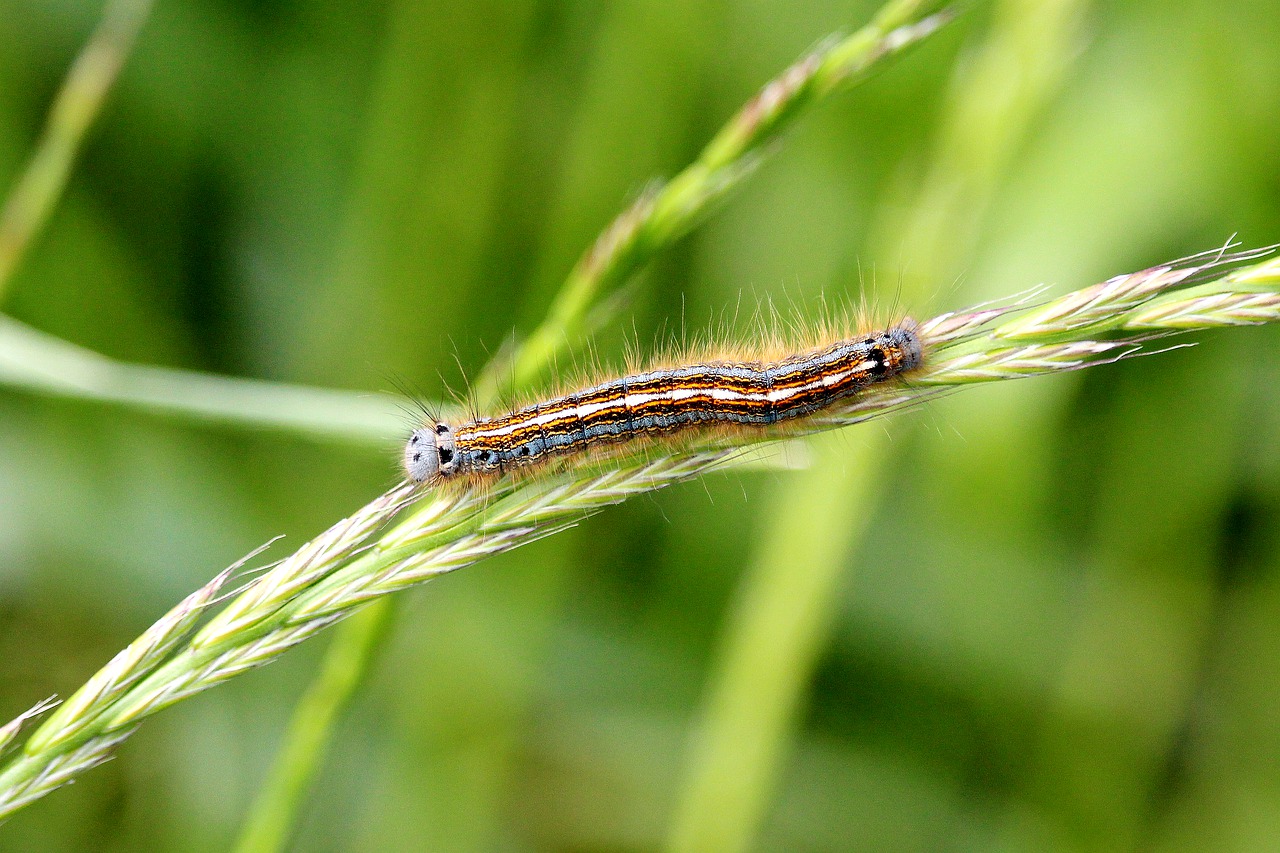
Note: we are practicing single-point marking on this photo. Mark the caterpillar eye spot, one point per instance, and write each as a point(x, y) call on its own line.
point(446, 456)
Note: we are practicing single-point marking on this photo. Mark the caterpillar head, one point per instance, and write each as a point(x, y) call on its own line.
point(429, 453)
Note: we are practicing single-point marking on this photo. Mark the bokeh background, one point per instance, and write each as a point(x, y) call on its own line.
point(1053, 619)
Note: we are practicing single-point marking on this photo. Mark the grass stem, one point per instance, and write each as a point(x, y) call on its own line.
point(76, 105)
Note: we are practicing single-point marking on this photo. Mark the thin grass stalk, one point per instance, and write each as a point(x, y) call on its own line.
point(667, 211)
point(366, 557)
point(656, 220)
point(77, 104)
point(34, 361)
point(776, 624)
point(271, 818)
point(38, 362)
point(779, 620)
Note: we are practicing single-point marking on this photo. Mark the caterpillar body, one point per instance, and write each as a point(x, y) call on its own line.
point(660, 403)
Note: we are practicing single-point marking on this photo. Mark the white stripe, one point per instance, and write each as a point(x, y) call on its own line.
point(632, 401)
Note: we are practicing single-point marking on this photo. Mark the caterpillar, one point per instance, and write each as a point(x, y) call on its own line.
point(658, 403)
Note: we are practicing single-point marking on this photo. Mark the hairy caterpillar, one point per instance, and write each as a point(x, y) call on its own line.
point(746, 395)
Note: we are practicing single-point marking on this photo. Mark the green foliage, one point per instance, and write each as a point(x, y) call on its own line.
point(1063, 594)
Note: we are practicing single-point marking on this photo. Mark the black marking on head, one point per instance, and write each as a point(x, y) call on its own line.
point(420, 460)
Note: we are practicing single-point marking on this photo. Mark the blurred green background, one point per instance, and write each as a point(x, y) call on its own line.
point(1060, 628)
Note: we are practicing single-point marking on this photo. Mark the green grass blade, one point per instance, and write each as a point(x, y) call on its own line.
point(651, 224)
point(76, 105)
point(274, 809)
point(364, 558)
point(777, 628)
point(667, 212)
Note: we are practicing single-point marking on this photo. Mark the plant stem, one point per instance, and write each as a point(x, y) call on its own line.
point(663, 214)
point(77, 104)
point(777, 626)
point(310, 731)
point(650, 225)
point(35, 361)
point(363, 559)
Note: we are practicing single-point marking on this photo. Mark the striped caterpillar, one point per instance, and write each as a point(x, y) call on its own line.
point(663, 402)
